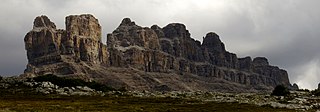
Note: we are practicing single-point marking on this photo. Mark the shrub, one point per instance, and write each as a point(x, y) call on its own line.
point(316, 92)
point(280, 90)
point(0, 77)
point(68, 82)
point(304, 90)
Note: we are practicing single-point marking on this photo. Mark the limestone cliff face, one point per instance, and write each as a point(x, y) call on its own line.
point(143, 58)
point(61, 49)
point(42, 40)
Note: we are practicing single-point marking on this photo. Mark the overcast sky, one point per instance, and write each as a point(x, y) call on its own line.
point(287, 32)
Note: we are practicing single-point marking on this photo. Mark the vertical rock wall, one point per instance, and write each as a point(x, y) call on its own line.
point(81, 41)
point(170, 49)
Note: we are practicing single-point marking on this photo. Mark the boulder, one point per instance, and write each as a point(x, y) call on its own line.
point(47, 85)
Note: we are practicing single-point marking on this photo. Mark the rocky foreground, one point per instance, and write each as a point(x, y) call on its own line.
point(297, 100)
point(143, 58)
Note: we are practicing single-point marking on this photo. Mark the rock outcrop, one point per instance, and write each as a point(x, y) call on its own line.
point(142, 58)
point(58, 51)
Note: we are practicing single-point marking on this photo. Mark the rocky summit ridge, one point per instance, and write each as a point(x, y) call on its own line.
point(143, 58)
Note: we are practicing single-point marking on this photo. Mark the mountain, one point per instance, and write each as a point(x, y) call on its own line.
point(143, 58)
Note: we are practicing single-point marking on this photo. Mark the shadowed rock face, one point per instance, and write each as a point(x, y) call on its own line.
point(63, 49)
point(213, 43)
point(42, 40)
point(260, 61)
point(142, 58)
point(43, 21)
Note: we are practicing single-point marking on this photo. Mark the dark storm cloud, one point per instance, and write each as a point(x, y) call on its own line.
point(290, 39)
point(284, 31)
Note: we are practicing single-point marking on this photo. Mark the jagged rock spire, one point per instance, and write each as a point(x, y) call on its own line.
point(213, 43)
point(43, 21)
point(83, 25)
point(127, 22)
point(261, 61)
point(175, 30)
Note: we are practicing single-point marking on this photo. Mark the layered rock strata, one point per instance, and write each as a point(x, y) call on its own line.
point(142, 58)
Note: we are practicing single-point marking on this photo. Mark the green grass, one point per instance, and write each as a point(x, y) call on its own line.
point(44, 103)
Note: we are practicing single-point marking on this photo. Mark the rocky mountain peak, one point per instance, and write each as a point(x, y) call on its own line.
point(245, 63)
point(43, 21)
point(155, 27)
point(213, 43)
point(261, 61)
point(128, 34)
point(84, 25)
point(176, 30)
point(41, 40)
point(158, 30)
point(127, 22)
point(142, 58)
